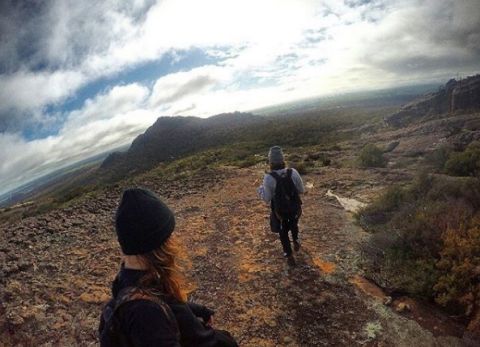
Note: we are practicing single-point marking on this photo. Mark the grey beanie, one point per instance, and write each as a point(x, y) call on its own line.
point(275, 155)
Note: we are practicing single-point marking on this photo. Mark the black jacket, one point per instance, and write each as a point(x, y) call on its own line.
point(146, 324)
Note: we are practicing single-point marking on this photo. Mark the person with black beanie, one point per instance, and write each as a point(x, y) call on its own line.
point(149, 304)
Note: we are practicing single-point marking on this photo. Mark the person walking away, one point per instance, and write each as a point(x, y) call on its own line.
point(281, 188)
point(149, 305)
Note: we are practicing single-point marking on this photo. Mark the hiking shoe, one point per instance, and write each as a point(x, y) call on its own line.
point(291, 260)
point(296, 245)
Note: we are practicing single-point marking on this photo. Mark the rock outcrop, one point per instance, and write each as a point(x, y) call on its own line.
point(466, 94)
point(463, 95)
point(172, 137)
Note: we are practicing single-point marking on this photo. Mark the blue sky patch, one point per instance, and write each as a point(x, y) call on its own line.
point(145, 74)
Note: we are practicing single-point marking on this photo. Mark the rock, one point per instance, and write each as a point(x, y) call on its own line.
point(387, 301)
point(454, 96)
point(95, 297)
point(473, 328)
point(391, 146)
point(15, 319)
point(402, 307)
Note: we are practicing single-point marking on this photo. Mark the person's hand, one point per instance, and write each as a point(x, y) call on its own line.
point(260, 190)
point(209, 322)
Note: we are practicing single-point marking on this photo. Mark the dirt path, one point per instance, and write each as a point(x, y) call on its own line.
point(56, 269)
point(239, 266)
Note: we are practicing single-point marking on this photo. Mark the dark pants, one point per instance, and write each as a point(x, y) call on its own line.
point(282, 228)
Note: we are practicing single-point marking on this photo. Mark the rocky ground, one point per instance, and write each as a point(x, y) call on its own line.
point(56, 268)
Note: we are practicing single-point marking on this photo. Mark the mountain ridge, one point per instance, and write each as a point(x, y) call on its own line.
point(171, 137)
point(454, 96)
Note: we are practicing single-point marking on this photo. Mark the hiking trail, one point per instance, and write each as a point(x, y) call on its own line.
point(64, 261)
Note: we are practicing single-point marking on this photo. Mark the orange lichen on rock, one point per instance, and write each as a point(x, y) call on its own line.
point(94, 297)
point(324, 266)
point(368, 287)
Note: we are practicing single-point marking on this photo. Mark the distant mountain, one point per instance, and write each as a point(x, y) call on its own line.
point(455, 96)
point(63, 176)
point(171, 137)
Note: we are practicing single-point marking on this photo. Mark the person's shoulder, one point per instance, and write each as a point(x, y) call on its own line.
point(149, 324)
point(268, 175)
point(145, 310)
point(294, 171)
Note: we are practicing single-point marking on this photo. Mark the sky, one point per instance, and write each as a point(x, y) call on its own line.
point(79, 78)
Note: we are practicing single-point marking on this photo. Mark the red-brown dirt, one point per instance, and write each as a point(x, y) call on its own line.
point(57, 268)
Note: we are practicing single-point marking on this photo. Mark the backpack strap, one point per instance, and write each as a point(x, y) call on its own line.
point(134, 293)
point(110, 315)
point(275, 175)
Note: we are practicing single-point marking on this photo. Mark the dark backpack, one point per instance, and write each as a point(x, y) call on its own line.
point(286, 200)
point(111, 334)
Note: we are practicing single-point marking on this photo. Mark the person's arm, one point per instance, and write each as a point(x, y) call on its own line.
point(201, 311)
point(147, 325)
point(297, 180)
point(268, 188)
point(195, 333)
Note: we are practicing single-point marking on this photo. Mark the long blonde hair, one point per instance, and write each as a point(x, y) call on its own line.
point(165, 276)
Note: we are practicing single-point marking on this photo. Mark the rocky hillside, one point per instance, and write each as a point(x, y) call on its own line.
point(56, 268)
point(455, 96)
point(175, 137)
point(171, 137)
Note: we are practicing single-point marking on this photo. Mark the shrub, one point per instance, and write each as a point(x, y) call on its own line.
point(301, 167)
point(438, 158)
point(371, 156)
point(460, 264)
point(466, 163)
point(248, 162)
point(318, 156)
point(420, 240)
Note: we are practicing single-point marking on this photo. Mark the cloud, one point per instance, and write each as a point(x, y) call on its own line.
point(174, 87)
point(95, 41)
point(265, 52)
point(431, 37)
point(104, 123)
point(25, 90)
point(118, 100)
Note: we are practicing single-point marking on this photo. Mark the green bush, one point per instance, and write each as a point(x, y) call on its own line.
point(419, 239)
point(466, 163)
point(438, 158)
point(248, 162)
point(301, 167)
point(371, 156)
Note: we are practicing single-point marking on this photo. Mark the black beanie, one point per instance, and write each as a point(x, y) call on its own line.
point(143, 222)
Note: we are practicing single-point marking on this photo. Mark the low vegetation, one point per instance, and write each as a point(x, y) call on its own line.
point(456, 163)
point(466, 163)
point(371, 156)
point(426, 240)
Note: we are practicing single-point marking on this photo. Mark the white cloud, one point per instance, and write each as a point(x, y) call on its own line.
point(104, 123)
point(272, 51)
point(26, 90)
point(119, 100)
point(176, 86)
